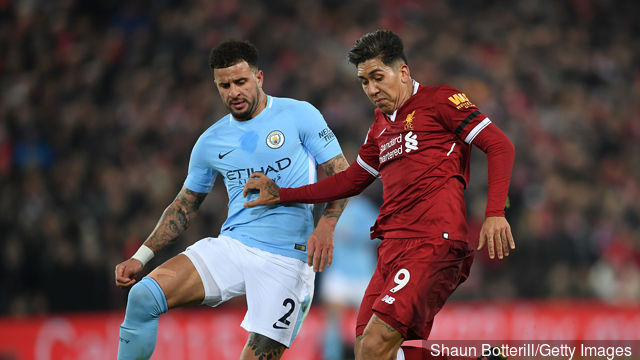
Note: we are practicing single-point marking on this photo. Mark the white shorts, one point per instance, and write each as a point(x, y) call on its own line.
point(278, 288)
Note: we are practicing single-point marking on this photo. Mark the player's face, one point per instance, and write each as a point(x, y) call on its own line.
point(240, 88)
point(386, 86)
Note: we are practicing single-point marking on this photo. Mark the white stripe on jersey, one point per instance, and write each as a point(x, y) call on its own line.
point(312, 168)
point(476, 130)
point(367, 167)
point(312, 172)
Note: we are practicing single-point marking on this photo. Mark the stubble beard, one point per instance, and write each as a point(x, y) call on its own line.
point(251, 107)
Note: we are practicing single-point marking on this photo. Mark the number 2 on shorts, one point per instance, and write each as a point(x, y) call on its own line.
point(284, 319)
point(402, 282)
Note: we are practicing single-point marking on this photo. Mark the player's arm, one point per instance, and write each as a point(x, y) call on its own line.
point(500, 156)
point(174, 221)
point(342, 185)
point(320, 242)
point(467, 122)
point(335, 165)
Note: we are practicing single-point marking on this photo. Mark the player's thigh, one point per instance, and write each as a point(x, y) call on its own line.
point(221, 263)
point(279, 290)
point(179, 281)
point(261, 347)
point(422, 278)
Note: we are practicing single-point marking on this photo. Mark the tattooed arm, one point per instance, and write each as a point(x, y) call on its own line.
point(335, 165)
point(174, 221)
point(320, 242)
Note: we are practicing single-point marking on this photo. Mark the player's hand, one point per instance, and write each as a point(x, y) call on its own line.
point(320, 244)
point(496, 231)
point(269, 190)
point(127, 271)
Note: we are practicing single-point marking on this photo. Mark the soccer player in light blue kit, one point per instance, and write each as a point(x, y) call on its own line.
point(264, 252)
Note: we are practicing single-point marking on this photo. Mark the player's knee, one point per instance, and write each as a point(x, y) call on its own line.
point(146, 299)
point(377, 343)
point(262, 347)
point(373, 346)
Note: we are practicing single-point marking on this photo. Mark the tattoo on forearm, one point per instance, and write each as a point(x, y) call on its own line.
point(175, 219)
point(335, 208)
point(183, 218)
point(265, 348)
point(174, 227)
point(335, 165)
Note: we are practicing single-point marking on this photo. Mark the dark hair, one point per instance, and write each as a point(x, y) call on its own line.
point(383, 43)
point(231, 52)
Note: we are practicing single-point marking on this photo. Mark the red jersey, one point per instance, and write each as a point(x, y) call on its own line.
point(422, 153)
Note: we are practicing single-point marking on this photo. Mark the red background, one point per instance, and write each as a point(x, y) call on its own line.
point(205, 333)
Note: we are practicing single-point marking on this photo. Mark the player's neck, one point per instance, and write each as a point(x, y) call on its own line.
point(405, 93)
point(262, 104)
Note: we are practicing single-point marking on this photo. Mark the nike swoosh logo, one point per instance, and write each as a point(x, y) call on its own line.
point(382, 132)
point(221, 155)
point(276, 326)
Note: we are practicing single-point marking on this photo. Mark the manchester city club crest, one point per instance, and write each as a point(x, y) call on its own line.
point(275, 139)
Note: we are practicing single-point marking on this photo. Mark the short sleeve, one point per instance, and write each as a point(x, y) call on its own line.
point(201, 175)
point(316, 136)
point(459, 114)
point(368, 155)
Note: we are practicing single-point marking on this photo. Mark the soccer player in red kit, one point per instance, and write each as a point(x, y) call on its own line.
point(419, 145)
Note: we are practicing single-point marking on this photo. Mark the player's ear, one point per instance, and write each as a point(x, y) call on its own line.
point(259, 78)
point(405, 73)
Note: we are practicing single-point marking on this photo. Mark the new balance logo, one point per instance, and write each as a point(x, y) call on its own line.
point(411, 142)
point(388, 299)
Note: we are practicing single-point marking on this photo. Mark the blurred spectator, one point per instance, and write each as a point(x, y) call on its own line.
point(100, 102)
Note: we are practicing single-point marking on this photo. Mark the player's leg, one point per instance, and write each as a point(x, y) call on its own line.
point(379, 341)
point(260, 347)
point(279, 290)
point(419, 276)
point(172, 284)
point(365, 313)
point(180, 282)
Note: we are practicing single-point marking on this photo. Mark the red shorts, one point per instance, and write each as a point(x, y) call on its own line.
point(413, 279)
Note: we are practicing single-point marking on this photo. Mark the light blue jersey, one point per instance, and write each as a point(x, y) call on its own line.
point(285, 142)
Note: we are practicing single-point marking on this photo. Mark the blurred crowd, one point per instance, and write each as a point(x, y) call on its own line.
point(101, 102)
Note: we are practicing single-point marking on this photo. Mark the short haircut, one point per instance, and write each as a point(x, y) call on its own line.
point(231, 52)
point(380, 43)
